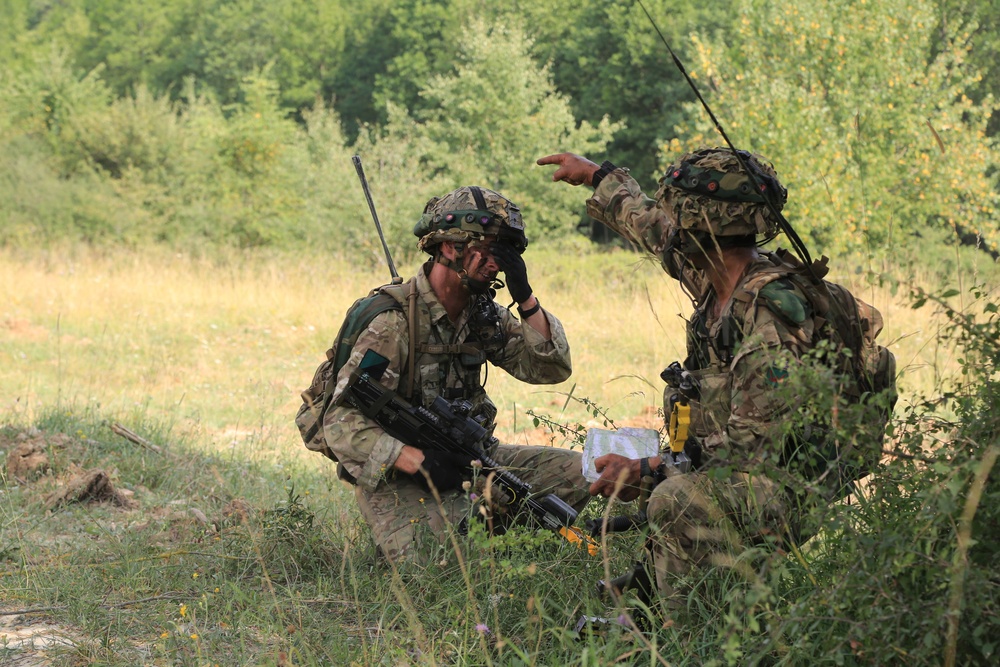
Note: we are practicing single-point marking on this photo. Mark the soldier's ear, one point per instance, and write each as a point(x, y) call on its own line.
point(448, 250)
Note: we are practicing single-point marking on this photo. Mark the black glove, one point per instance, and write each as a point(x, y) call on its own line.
point(446, 470)
point(516, 273)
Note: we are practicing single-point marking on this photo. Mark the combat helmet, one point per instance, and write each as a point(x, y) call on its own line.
point(469, 214)
point(709, 191)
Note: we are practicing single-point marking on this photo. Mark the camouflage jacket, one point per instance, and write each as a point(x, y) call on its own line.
point(741, 355)
point(364, 450)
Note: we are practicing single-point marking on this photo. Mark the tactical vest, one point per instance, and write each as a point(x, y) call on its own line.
point(831, 313)
point(430, 365)
point(422, 378)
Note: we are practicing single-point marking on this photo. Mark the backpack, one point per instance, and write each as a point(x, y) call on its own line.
point(854, 325)
point(317, 398)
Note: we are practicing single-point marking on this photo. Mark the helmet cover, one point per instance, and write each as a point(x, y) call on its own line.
point(709, 191)
point(468, 214)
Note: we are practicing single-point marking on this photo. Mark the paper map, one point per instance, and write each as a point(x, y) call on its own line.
point(633, 443)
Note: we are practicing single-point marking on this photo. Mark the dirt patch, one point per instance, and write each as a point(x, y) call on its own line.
point(25, 641)
point(27, 461)
point(28, 452)
point(23, 330)
point(91, 486)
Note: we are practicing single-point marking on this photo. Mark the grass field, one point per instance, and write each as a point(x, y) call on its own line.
point(237, 546)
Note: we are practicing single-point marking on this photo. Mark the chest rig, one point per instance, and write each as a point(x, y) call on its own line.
point(452, 368)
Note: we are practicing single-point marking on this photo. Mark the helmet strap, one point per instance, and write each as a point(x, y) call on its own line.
point(452, 263)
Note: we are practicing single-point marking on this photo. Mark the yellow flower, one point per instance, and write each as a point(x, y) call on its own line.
point(194, 636)
point(194, 575)
point(184, 610)
point(164, 634)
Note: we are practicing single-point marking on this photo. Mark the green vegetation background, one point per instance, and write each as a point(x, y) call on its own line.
point(232, 123)
point(205, 127)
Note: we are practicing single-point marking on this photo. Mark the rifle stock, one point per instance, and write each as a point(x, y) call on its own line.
point(447, 427)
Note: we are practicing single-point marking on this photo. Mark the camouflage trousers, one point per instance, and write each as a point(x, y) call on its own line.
point(408, 522)
point(697, 521)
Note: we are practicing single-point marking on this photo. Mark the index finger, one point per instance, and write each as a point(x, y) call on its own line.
point(555, 158)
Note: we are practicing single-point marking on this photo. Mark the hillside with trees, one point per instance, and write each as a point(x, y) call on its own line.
point(233, 122)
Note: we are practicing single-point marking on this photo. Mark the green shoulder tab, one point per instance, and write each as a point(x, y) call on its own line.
point(783, 299)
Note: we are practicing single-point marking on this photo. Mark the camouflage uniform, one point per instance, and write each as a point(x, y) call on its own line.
point(740, 358)
point(398, 510)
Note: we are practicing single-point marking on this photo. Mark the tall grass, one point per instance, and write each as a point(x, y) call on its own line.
point(205, 356)
point(225, 343)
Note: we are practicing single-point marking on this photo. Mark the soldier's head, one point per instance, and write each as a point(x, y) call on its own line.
point(467, 221)
point(713, 204)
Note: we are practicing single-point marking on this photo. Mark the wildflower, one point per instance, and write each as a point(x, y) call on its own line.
point(216, 589)
point(164, 634)
point(466, 485)
point(194, 635)
point(184, 610)
point(482, 628)
point(194, 575)
point(473, 497)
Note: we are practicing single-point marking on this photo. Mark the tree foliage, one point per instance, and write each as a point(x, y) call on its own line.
point(875, 137)
point(862, 106)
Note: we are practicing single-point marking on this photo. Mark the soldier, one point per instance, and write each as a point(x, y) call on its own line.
point(758, 317)
point(436, 342)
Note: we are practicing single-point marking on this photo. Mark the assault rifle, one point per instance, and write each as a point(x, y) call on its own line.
point(447, 426)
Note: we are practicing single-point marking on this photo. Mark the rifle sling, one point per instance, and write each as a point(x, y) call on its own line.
point(372, 410)
point(411, 358)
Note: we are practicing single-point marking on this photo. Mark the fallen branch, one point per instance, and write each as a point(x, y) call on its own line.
point(118, 429)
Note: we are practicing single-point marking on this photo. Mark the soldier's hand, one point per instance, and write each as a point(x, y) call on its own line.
point(445, 471)
point(619, 477)
point(515, 272)
point(573, 169)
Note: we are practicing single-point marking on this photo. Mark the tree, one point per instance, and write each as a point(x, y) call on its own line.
point(873, 133)
point(494, 115)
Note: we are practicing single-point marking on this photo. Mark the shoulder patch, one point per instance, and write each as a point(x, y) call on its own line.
point(785, 300)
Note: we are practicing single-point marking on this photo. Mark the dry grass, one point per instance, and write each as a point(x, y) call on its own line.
point(222, 346)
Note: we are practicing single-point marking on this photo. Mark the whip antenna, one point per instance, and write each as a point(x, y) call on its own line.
point(396, 280)
point(793, 237)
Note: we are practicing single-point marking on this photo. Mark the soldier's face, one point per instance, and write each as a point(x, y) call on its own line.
point(479, 263)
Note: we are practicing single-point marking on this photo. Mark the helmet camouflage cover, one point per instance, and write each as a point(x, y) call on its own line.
point(709, 191)
point(467, 214)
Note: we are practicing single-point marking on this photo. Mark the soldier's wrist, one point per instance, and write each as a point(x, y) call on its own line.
point(606, 168)
point(525, 313)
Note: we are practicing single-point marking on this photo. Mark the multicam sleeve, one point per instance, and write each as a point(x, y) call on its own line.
point(530, 357)
point(619, 203)
point(360, 445)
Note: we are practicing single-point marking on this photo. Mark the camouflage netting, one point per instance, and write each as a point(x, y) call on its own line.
point(434, 227)
point(720, 217)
